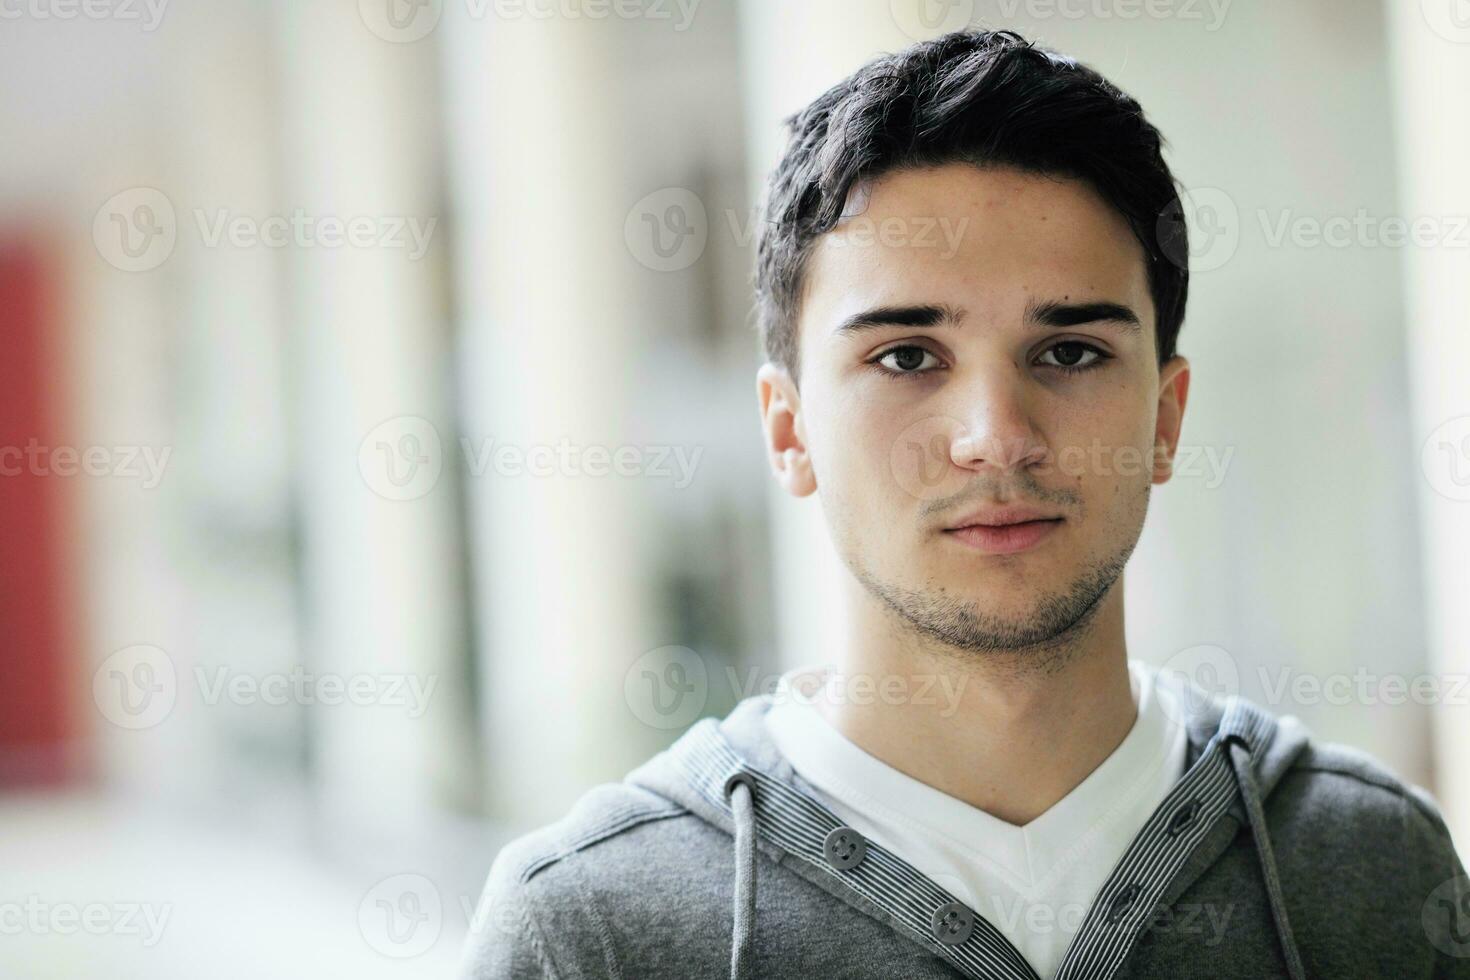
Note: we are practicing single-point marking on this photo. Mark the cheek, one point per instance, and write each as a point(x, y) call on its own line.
point(851, 441)
point(1104, 454)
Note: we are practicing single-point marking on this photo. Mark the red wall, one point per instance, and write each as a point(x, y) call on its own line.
point(37, 724)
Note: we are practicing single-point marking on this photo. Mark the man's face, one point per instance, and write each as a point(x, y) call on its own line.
point(977, 347)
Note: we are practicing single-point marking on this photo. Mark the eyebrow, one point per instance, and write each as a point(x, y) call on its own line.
point(1049, 313)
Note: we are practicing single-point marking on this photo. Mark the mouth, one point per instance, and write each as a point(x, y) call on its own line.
point(1004, 531)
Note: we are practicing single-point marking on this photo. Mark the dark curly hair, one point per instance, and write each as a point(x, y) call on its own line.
point(991, 98)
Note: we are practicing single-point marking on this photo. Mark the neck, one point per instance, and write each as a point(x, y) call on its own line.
point(1009, 732)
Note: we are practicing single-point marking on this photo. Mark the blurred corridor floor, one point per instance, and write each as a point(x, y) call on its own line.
point(93, 888)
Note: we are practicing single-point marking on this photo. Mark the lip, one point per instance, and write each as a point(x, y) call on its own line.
point(1002, 515)
point(1004, 530)
point(1005, 539)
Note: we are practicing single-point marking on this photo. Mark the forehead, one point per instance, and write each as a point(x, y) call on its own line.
point(986, 239)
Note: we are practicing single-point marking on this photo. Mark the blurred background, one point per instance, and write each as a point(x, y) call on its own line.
point(379, 459)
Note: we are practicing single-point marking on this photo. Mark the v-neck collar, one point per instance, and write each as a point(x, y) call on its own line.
point(1028, 855)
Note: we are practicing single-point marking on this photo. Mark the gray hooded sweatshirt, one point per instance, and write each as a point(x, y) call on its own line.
point(1272, 856)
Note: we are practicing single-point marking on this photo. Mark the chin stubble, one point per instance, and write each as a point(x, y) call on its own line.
point(1044, 640)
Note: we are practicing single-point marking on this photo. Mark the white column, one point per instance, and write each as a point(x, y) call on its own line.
point(549, 323)
point(1431, 71)
point(369, 363)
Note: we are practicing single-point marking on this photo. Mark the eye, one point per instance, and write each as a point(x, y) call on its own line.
point(1072, 355)
point(906, 359)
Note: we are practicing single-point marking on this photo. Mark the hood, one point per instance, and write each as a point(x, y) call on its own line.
point(730, 774)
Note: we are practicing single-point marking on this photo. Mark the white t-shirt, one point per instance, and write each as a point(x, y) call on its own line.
point(1034, 883)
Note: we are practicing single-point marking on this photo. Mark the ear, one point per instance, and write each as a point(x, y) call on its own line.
point(1173, 392)
point(780, 405)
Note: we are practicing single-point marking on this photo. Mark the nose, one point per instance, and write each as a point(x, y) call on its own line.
point(998, 429)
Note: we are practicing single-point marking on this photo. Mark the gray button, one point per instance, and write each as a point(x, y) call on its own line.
point(953, 923)
point(845, 848)
point(1184, 817)
point(1122, 902)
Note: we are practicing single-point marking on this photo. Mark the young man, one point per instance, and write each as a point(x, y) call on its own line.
point(971, 279)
